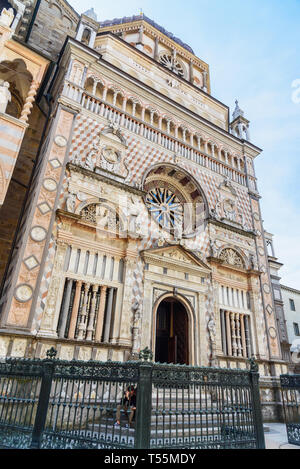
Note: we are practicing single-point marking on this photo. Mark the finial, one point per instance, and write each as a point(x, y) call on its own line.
point(51, 353)
point(238, 111)
point(146, 355)
point(253, 364)
point(91, 14)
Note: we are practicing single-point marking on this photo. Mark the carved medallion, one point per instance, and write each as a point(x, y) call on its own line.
point(23, 293)
point(50, 185)
point(38, 233)
point(60, 140)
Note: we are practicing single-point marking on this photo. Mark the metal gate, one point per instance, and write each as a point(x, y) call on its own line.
point(290, 389)
point(70, 405)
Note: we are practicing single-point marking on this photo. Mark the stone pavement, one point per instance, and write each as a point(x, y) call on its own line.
point(276, 437)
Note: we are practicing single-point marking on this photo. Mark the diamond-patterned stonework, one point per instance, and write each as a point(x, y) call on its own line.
point(44, 208)
point(55, 163)
point(31, 263)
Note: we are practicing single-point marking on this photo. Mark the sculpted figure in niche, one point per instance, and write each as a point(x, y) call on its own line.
point(7, 16)
point(213, 248)
point(70, 203)
point(5, 95)
point(89, 162)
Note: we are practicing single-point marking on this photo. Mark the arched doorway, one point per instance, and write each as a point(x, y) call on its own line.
point(172, 338)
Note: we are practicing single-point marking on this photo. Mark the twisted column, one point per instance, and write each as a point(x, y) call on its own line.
point(29, 101)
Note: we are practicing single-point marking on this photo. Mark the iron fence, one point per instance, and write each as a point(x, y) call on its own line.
point(54, 404)
point(290, 390)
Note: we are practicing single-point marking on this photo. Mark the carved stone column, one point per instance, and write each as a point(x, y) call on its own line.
point(238, 335)
point(233, 335)
point(228, 329)
point(108, 315)
point(75, 310)
point(100, 318)
point(90, 327)
point(242, 316)
point(82, 324)
point(65, 309)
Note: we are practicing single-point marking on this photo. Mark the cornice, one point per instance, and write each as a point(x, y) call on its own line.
point(293, 290)
point(248, 234)
point(100, 177)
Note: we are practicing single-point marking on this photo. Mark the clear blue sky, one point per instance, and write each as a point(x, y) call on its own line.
point(253, 51)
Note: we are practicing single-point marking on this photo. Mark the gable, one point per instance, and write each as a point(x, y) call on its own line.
point(177, 258)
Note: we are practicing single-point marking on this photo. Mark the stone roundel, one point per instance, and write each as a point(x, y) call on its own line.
point(38, 234)
point(266, 288)
point(23, 293)
point(272, 333)
point(60, 140)
point(50, 184)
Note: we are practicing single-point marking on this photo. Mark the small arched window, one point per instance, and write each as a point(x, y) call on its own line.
point(86, 36)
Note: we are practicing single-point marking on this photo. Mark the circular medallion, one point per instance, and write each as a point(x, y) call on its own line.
point(273, 333)
point(23, 293)
point(60, 141)
point(261, 251)
point(50, 185)
point(38, 233)
point(111, 155)
point(266, 288)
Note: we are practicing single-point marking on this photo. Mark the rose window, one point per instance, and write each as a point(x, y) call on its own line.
point(165, 207)
point(172, 64)
point(174, 200)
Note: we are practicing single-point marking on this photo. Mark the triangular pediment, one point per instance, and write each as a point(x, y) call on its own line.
point(175, 256)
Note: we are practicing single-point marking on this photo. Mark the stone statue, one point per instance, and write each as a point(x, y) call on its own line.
point(5, 95)
point(70, 203)
point(89, 162)
point(7, 17)
point(213, 248)
point(76, 159)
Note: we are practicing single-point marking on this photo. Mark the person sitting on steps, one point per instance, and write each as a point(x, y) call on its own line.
point(128, 402)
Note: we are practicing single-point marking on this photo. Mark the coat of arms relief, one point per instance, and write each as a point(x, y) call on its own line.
point(107, 154)
point(226, 208)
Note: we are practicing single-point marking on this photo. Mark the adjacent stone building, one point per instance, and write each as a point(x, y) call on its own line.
point(140, 222)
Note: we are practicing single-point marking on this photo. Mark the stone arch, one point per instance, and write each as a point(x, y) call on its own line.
point(19, 78)
point(190, 311)
point(106, 204)
point(175, 199)
point(233, 256)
